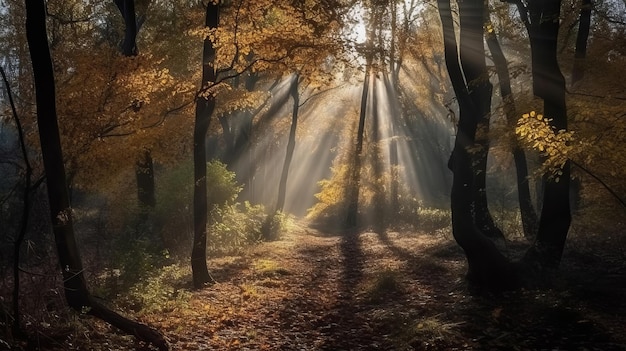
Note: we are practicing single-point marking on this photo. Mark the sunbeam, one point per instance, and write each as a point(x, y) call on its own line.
point(405, 140)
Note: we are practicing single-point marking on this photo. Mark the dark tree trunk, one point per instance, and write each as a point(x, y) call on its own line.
point(204, 109)
point(237, 130)
point(487, 267)
point(355, 171)
point(291, 144)
point(392, 94)
point(144, 173)
point(549, 84)
point(127, 9)
point(229, 137)
point(144, 167)
point(479, 88)
point(76, 293)
point(376, 159)
point(529, 216)
point(26, 204)
point(581, 41)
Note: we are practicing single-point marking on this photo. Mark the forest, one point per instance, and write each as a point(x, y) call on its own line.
point(312, 175)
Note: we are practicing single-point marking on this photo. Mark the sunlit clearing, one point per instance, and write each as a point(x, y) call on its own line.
point(404, 156)
point(318, 140)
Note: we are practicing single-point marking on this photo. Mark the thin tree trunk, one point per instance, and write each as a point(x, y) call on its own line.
point(291, 144)
point(355, 171)
point(76, 293)
point(237, 131)
point(581, 41)
point(144, 167)
point(529, 216)
point(392, 95)
point(376, 159)
point(144, 172)
point(25, 210)
point(204, 109)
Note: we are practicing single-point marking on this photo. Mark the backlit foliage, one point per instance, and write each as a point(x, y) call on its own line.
point(555, 146)
point(332, 197)
point(261, 34)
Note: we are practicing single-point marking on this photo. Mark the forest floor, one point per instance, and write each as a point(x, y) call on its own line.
point(366, 291)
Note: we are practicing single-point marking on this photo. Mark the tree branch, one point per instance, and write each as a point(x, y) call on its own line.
point(615, 195)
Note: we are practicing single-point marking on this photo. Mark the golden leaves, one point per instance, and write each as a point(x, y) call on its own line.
point(557, 146)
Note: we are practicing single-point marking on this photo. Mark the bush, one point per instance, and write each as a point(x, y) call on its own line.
point(231, 225)
point(234, 227)
point(375, 206)
point(159, 291)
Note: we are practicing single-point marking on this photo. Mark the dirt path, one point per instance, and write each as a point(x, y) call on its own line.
point(314, 292)
point(396, 291)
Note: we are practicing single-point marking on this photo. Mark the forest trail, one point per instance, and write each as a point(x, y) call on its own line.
point(368, 291)
point(308, 291)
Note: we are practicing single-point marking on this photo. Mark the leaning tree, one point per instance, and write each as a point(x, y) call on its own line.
point(75, 287)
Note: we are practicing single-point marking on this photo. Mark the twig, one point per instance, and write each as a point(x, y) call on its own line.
point(615, 195)
point(25, 207)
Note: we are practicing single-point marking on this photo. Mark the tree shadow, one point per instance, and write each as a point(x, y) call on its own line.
point(576, 313)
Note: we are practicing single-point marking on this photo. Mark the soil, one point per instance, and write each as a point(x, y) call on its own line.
point(312, 290)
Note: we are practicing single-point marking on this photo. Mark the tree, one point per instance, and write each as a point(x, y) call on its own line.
point(355, 166)
point(76, 293)
point(486, 265)
point(26, 205)
point(144, 167)
point(581, 41)
point(549, 84)
point(528, 214)
point(291, 143)
point(205, 104)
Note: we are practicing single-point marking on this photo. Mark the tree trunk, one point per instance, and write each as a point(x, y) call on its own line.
point(127, 9)
point(581, 41)
point(291, 144)
point(75, 287)
point(144, 172)
point(487, 267)
point(376, 159)
point(355, 171)
point(392, 95)
point(479, 88)
point(527, 211)
point(26, 205)
point(144, 167)
point(76, 292)
point(204, 109)
point(237, 131)
point(549, 84)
